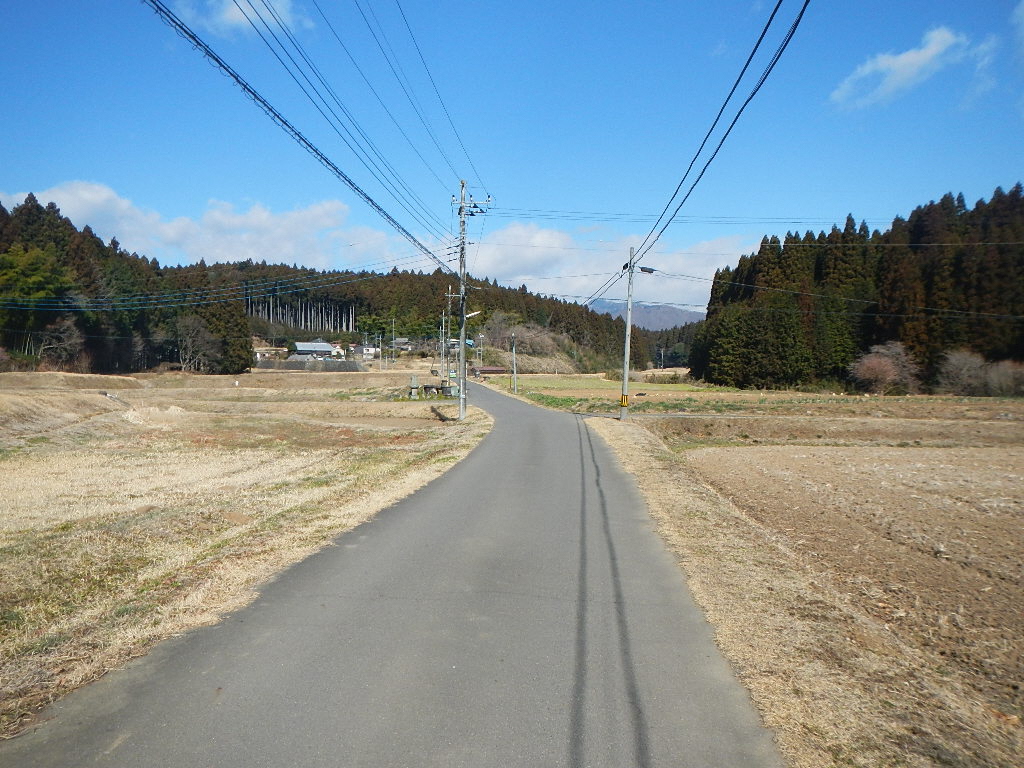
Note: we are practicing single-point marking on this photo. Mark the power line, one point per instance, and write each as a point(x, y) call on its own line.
point(714, 123)
point(638, 218)
point(437, 92)
point(605, 287)
point(560, 277)
point(377, 96)
point(732, 254)
point(959, 312)
point(361, 145)
point(923, 312)
point(757, 87)
point(395, 69)
point(195, 298)
point(185, 32)
point(623, 301)
point(211, 295)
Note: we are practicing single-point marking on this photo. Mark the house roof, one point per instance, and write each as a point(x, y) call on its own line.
point(313, 347)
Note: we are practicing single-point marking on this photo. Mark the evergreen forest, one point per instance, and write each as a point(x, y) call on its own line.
point(68, 301)
point(800, 311)
point(803, 309)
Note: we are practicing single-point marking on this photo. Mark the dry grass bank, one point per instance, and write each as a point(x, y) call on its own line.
point(861, 563)
point(138, 507)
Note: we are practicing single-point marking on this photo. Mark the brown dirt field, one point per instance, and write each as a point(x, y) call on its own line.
point(829, 429)
point(138, 507)
point(861, 560)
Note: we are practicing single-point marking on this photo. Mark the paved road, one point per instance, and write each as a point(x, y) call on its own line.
point(518, 611)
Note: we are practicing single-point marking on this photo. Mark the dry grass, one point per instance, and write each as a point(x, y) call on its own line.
point(134, 517)
point(869, 597)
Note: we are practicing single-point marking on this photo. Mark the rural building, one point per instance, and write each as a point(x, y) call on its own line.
point(315, 349)
point(488, 370)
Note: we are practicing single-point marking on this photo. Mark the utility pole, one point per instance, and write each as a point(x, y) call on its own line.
point(446, 332)
point(624, 400)
point(515, 376)
point(442, 357)
point(471, 210)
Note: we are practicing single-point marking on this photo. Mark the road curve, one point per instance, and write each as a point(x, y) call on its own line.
point(518, 611)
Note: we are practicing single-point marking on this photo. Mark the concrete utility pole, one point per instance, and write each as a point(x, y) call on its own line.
point(624, 400)
point(515, 374)
point(472, 209)
point(446, 332)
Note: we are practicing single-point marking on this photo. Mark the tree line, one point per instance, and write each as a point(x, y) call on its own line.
point(805, 308)
point(70, 301)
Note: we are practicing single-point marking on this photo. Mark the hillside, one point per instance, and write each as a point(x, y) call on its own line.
point(800, 310)
point(805, 307)
point(71, 302)
point(651, 317)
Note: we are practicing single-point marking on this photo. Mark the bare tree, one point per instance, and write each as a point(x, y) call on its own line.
point(962, 372)
point(967, 373)
point(198, 349)
point(887, 369)
point(61, 343)
point(1004, 379)
point(499, 328)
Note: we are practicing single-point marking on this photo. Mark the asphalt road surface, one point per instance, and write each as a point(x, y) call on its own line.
point(518, 611)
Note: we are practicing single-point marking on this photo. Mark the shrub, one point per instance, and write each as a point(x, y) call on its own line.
point(1005, 379)
point(662, 378)
point(963, 372)
point(886, 369)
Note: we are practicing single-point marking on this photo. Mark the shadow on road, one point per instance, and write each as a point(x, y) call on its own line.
point(641, 748)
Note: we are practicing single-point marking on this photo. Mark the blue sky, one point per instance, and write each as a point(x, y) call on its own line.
point(579, 118)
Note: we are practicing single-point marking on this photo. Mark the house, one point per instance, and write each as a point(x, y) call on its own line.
point(315, 349)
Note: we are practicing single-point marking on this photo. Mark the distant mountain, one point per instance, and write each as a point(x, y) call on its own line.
point(653, 317)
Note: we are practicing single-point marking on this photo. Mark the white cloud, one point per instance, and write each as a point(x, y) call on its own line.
point(312, 236)
point(548, 261)
point(687, 272)
point(984, 81)
point(224, 16)
point(553, 262)
point(886, 75)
